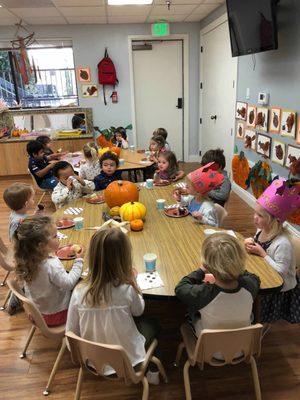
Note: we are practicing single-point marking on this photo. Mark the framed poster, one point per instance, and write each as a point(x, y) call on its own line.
point(262, 118)
point(89, 90)
point(275, 120)
point(263, 145)
point(278, 152)
point(83, 74)
point(298, 131)
point(240, 130)
point(241, 110)
point(250, 140)
point(251, 116)
point(288, 123)
point(292, 155)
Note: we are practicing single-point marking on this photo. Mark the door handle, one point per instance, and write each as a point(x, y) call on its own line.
point(213, 117)
point(179, 103)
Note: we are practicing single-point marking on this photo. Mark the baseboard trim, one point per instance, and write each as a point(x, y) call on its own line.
point(250, 200)
point(194, 158)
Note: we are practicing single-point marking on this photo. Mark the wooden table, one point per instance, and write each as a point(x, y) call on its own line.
point(176, 241)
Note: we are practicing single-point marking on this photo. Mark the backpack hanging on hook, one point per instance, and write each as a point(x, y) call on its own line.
point(107, 73)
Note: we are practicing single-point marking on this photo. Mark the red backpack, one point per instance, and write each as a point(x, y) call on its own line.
point(107, 73)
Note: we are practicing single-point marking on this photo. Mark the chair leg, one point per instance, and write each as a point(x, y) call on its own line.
point(178, 355)
point(145, 389)
point(30, 336)
point(5, 279)
point(5, 301)
point(160, 367)
point(255, 378)
point(55, 367)
point(79, 384)
point(186, 378)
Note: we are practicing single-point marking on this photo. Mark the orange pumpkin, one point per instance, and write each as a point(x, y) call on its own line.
point(240, 170)
point(116, 150)
point(137, 225)
point(119, 192)
point(103, 142)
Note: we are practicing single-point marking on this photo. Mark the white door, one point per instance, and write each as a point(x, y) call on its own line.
point(158, 84)
point(218, 94)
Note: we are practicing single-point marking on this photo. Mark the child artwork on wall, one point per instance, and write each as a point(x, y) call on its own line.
point(298, 131)
point(288, 123)
point(240, 130)
point(89, 90)
point(275, 120)
point(292, 155)
point(84, 74)
point(250, 140)
point(263, 145)
point(241, 110)
point(262, 118)
point(251, 116)
point(278, 152)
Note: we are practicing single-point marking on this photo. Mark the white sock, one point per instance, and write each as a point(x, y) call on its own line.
point(153, 377)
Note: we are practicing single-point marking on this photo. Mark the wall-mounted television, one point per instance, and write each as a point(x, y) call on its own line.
point(252, 26)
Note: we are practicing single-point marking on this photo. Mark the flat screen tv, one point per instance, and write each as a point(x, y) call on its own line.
point(252, 26)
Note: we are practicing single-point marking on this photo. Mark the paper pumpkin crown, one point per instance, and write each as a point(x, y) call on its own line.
point(280, 199)
point(206, 178)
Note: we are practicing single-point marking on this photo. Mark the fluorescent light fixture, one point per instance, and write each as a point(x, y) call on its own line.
point(128, 2)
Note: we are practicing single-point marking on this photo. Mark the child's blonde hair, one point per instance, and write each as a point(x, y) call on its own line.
point(110, 265)
point(29, 250)
point(17, 194)
point(223, 256)
point(90, 151)
point(159, 140)
point(161, 132)
point(276, 227)
point(173, 167)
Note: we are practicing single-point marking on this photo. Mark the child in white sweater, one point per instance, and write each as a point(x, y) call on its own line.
point(70, 186)
point(90, 167)
point(46, 282)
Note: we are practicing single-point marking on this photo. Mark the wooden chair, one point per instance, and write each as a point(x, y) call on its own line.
point(8, 269)
point(296, 245)
point(228, 342)
point(94, 356)
point(38, 188)
point(35, 317)
point(221, 213)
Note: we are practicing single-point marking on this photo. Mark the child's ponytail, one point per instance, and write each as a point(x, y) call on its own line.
point(90, 151)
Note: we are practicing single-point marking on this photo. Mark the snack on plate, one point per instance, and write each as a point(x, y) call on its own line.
point(59, 150)
point(74, 249)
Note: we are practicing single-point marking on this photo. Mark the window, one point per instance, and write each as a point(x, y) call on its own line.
point(53, 84)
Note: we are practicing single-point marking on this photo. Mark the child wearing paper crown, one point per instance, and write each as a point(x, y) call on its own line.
point(199, 183)
point(272, 243)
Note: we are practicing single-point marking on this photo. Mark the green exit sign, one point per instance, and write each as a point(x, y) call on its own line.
point(160, 29)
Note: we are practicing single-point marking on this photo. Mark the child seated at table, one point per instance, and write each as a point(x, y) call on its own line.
point(109, 163)
point(49, 153)
point(272, 242)
point(40, 167)
point(157, 145)
point(19, 197)
point(91, 167)
point(199, 183)
point(221, 194)
point(104, 307)
point(226, 303)
point(162, 132)
point(168, 169)
point(46, 282)
point(120, 138)
point(70, 186)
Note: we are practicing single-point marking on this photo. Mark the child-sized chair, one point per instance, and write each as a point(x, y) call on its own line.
point(94, 356)
point(229, 342)
point(221, 213)
point(35, 317)
point(296, 246)
point(7, 267)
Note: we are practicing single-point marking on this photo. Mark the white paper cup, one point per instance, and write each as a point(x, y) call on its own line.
point(121, 161)
point(149, 183)
point(78, 223)
point(150, 262)
point(160, 204)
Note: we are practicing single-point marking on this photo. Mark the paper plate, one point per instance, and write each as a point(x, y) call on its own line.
point(173, 212)
point(66, 252)
point(162, 183)
point(96, 200)
point(65, 223)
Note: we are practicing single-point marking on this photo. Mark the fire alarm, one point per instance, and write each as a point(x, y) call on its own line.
point(263, 98)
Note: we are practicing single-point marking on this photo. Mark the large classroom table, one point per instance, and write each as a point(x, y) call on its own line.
point(176, 241)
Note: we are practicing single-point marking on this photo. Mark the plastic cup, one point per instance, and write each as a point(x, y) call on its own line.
point(147, 153)
point(78, 223)
point(121, 161)
point(160, 204)
point(150, 262)
point(131, 148)
point(149, 183)
point(184, 200)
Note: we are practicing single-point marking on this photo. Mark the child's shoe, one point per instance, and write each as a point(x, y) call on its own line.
point(153, 377)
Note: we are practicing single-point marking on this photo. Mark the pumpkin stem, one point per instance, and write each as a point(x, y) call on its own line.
point(132, 202)
point(120, 183)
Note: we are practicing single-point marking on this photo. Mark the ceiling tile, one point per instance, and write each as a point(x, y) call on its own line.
point(168, 18)
point(78, 3)
point(205, 8)
point(36, 12)
point(5, 13)
point(45, 20)
point(86, 20)
point(194, 18)
point(213, 1)
point(183, 2)
point(125, 19)
point(175, 9)
point(9, 20)
point(83, 11)
point(26, 3)
point(128, 10)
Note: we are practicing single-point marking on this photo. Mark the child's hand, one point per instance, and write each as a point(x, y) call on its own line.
point(83, 161)
point(256, 249)
point(198, 215)
point(69, 182)
point(80, 253)
point(80, 180)
point(177, 194)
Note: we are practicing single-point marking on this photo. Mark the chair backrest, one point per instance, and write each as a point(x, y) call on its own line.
point(33, 313)
point(232, 345)
point(221, 213)
point(5, 261)
point(35, 185)
point(296, 245)
point(95, 356)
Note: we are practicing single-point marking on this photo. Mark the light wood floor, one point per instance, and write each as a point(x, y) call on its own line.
point(279, 365)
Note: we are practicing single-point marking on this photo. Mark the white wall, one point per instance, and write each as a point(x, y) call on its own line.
point(89, 42)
